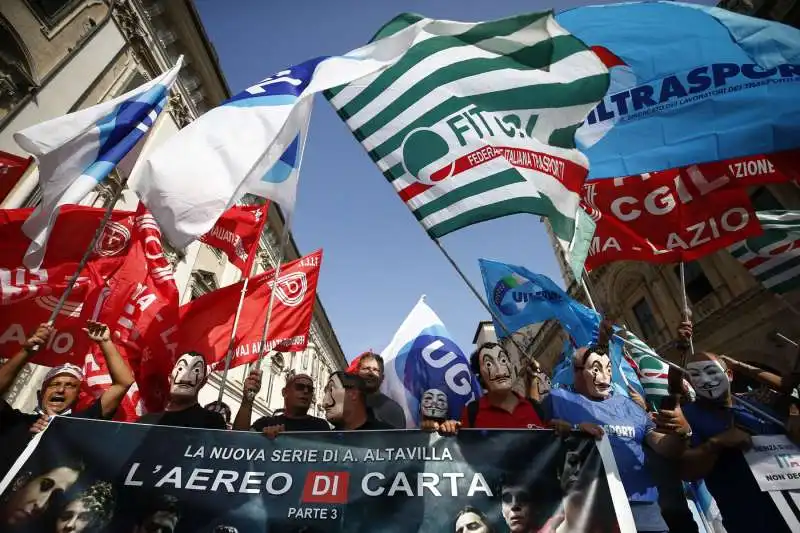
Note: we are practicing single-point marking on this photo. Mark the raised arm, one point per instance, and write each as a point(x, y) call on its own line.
point(245, 413)
point(121, 374)
point(10, 370)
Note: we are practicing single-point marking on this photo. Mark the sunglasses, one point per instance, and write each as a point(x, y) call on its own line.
point(300, 387)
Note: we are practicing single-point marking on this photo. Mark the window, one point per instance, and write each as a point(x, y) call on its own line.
point(203, 282)
point(52, 11)
point(697, 284)
point(645, 318)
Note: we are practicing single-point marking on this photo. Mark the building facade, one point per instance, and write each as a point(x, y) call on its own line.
point(59, 56)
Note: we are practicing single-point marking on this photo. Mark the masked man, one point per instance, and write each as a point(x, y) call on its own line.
point(187, 378)
point(721, 431)
point(596, 410)
point(59, 391)
point(298, 396)
point(388, 411)
point(345, 404)
point(433, 407)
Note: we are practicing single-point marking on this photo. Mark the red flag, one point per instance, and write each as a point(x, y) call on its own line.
point(27, 298)
point(679, 214)
point(12, 167)
point(140, 305)
point(206, 322)
point(237, 233)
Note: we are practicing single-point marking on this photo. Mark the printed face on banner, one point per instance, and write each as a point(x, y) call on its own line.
point(471, 522)
point(34, 498)
point(75, 517)
point(160, 522)
point(188, 375)
point(496, 369)
point(516, 503)
point(434, 404)
point(595, 374)
point(709, 379)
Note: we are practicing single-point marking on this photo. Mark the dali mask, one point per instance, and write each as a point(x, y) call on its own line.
point(188, 375)
point(434, 404)
point(596, 374)
point(496, 369)
point(709, 379)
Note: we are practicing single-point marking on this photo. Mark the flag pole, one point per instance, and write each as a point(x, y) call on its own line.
point(687, 313)
point(481, 300)
point(146, 146)
point(250, 394)
point(587, 291)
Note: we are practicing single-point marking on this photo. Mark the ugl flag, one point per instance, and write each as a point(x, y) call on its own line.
point(689, 84)
point(477, 120)
point(423, 356)
point(520, 297)
point(253, 143)
point(206, 323)
point(774, 256)
point(77, 151)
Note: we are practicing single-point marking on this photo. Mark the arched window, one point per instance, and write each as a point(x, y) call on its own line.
point(16, 70)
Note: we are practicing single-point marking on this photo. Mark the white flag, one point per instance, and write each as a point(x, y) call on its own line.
point(252, 143)
point(77, 151)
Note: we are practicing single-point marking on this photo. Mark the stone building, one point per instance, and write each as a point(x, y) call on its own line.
point(60, 56)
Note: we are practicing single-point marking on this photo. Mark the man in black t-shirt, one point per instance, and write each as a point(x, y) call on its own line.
point(59, 391)
point(370, 368)
point(187, 378)
point(298, 396)
point(345, 404)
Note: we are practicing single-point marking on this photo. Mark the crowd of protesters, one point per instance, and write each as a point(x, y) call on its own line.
point(690, 438)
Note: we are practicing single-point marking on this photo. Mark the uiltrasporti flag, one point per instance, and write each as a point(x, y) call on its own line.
point(477, 120)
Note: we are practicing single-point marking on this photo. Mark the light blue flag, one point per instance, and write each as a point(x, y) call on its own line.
point(622, 373)
point(520, 297)
point(75, 152)
point(689, 84)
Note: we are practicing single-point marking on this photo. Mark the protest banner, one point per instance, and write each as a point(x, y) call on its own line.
point(775, 462)
point(129, 475)
point(679, 214)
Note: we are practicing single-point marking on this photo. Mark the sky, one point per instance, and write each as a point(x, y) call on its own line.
point(378, 260)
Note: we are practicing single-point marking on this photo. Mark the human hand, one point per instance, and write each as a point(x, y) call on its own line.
point(40, 424)
point(672, 421)
point(562, 428)
point(97, 331)
point(273, 431)
point(734, 438)
point(252, 382)
point(594, 430)
point(449, 427)
point(685, 332)
point(39, 337)
point(429, 426)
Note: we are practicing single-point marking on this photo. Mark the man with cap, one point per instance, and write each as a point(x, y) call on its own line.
point(298, 397)
point(59, 391)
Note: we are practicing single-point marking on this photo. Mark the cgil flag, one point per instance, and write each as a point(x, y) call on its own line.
point(520, 297)
point(774, 256)
point(237, 234)
point(477, 120)
point(77, 151)
point(252, 143)
point(689, 84)
point(421, 356)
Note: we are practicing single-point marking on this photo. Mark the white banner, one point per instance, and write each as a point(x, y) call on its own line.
point(775, 462)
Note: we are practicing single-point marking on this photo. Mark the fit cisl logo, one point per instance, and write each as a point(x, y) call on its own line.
point(326, 487)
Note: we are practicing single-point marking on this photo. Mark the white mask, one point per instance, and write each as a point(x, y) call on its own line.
point(188, 375)
point(596, 373)
point(434, 404)
point(333, 401)
point(709, 379)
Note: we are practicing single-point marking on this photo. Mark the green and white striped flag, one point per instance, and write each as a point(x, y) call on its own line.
point(477, 120)
point(653, 373)
point(774, 256)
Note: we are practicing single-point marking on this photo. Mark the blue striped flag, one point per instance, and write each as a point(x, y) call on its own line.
point(75, 152)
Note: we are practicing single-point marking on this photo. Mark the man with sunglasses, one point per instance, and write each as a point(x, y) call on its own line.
point(298, 396)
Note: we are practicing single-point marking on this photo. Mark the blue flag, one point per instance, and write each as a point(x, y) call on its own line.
point(689, 84)
point(520, 297)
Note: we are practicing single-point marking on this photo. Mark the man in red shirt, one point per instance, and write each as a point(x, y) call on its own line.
point(500, 407)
